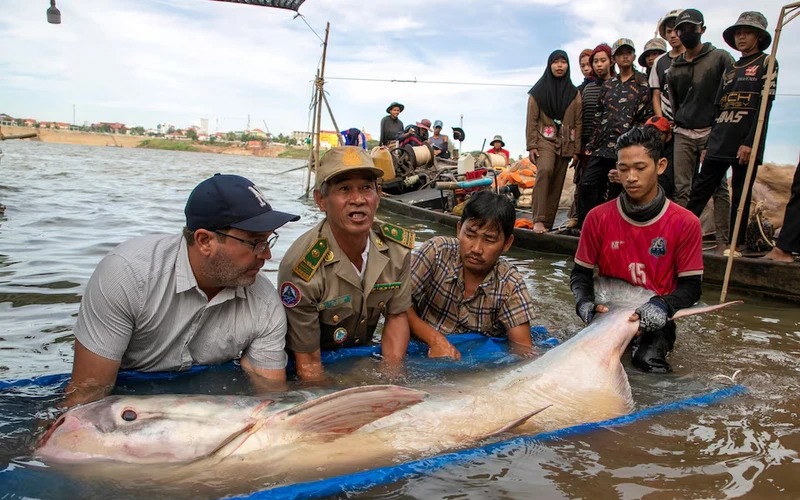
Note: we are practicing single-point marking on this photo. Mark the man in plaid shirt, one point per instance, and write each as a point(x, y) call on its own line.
point(463, 285)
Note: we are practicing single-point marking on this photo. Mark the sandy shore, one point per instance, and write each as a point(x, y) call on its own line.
point(131, 141)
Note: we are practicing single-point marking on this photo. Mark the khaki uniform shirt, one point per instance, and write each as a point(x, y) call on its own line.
point(327, 305)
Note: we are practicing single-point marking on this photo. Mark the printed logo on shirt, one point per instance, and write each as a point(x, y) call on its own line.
point(549, 132)
point(616, 244)
point(751, 71)
point(658, 248)
point(290, 294)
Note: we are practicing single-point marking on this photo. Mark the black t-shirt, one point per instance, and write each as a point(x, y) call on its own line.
point(738, 102)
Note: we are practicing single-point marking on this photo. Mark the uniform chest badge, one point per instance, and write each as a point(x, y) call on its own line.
point(658, 248)
point(549, 132)
point(751, 71)
point(290, 294)
point(339, 335)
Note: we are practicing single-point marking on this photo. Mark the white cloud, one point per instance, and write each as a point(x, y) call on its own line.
point(151, 61)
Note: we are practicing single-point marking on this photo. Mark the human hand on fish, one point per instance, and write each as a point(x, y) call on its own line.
point(587, 309)
point(652, 315)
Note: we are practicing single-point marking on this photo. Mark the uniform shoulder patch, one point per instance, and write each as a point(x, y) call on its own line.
point(290, 294)
point(308, 265)
point(399, 235)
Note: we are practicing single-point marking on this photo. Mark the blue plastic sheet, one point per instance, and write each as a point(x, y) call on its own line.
point(477, 350)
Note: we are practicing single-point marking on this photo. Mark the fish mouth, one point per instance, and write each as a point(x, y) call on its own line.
point(50, 431)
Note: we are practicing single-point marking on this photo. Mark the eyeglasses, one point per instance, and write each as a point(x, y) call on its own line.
point(259, 246)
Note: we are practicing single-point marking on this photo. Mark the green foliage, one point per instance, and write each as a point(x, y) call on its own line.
point(295, 153)
point(372, 143)
point(191, 134)
point(168, 145)
point(137, 130)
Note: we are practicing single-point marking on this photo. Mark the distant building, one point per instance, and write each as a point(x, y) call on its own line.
point(202, 126)
point(300, 137)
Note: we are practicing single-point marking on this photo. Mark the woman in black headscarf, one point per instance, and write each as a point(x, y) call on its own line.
point(553, 136)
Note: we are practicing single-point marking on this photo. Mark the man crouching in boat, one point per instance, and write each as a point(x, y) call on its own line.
point(463, 285)
point(168, 302)
point(645, 239)
point(339, 278)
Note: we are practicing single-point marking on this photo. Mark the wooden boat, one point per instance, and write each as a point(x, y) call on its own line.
point(749, 275)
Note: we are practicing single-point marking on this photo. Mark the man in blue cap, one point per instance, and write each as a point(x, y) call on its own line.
point(168, 302)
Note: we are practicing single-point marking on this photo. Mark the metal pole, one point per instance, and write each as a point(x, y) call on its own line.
point(756, 145)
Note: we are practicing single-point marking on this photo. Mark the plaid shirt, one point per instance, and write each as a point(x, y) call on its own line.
point(500, 303)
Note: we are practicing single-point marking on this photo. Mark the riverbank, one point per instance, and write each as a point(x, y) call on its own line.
point(273, 150)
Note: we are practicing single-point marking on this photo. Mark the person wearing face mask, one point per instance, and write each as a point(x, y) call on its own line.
point(738, 102)
point(552, 135)
point(658, 77)
point(693, 81)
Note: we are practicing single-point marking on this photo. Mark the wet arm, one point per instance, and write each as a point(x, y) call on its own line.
point(520, 336)
point(394, 342)
point(264, 380)
point(309, 366)
point(438, 343)
point(93, 377)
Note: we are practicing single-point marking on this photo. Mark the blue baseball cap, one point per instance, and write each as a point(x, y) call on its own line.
point(232, 201)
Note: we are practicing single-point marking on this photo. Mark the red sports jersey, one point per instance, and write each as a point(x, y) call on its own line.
point(651, 255)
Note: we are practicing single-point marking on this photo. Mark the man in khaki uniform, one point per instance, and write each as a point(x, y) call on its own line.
point(338, 278)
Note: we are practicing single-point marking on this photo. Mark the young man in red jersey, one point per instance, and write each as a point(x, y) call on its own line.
point(643, 238)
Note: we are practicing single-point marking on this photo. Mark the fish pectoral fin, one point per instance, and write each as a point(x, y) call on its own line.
point(345, 411)
point(516, 423)
point(704, 309)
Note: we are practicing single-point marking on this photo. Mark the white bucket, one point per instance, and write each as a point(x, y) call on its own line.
point(466, 163)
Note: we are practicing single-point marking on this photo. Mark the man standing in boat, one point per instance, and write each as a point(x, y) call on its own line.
point(463, 285)
point(340, 277)
point(498, 148)
point(169, 302)
point(693, 81)
point(391, 125)
point(624, 102)
point(734, 131)
point(647, 240)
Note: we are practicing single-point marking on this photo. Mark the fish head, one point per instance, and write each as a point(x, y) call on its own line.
point(148, 430)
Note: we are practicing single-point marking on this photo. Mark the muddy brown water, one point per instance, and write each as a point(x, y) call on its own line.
point(69, 205)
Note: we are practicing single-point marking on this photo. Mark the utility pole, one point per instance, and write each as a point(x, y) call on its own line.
point(248, 121)
point(73, 114)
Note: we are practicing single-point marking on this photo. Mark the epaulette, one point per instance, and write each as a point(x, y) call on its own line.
point(308, 265)
point(399, 235)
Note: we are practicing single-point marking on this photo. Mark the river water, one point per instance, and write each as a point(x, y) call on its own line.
point(69, 205)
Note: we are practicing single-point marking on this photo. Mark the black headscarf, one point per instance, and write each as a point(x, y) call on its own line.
point(554, 95)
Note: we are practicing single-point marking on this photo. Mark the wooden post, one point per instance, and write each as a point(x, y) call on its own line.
point(756, 142)
point(320, 96)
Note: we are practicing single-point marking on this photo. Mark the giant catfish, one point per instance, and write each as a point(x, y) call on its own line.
point(227, 441)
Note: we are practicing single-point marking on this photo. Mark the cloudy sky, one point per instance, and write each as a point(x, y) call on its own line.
point(148, 61)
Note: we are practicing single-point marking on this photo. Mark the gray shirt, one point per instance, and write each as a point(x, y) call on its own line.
point(142, 306)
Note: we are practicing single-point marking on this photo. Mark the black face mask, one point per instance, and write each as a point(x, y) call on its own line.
point(690, 39)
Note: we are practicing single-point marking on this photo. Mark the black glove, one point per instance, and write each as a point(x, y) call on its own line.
point(585, 310)
point(653, 315)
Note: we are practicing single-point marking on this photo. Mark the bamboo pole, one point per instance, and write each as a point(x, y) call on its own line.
point(312, 151)
point(756, 142)
point(320, 97)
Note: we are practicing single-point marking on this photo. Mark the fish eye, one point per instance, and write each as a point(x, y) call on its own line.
point(129, 415)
